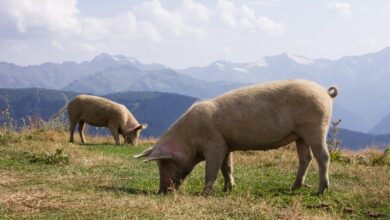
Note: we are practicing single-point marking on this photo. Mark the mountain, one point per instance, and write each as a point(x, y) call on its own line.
point(228, 71)
point(130, 78)
point(47, 75)
point(383, 126)
point(363, 99)
point(354, 140)
point(348, 118)
point(362, 80)
point(282, 66)
point(158, 110)
point(58, 75)
point(106, 74)
point(104, 61)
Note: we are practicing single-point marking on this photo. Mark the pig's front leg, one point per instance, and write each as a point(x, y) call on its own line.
point(227, 171)
point(214, 159)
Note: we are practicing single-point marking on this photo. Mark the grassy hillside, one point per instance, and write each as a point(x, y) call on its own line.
point(100, 180)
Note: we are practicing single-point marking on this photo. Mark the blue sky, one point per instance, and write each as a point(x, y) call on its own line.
point(187, 33)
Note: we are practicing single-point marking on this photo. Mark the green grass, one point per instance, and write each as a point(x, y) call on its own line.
point(105, 181)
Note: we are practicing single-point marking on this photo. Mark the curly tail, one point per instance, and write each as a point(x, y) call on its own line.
point(58, 113)
point(332, 91)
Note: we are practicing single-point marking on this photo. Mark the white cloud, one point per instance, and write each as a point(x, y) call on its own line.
point(341, 9)
point(249, 19)
point(150, 31)
point(193, 11)
point(227, 11)
point(37, 16)
point(57, 44)
point(245, 18)
point(62, 24)
point(154, 12)
point(187, 20)
point(227, 50)
point(59, 25)
point(122, 26)
point(89, 48)
point(368, 44)
point(261, 2)
point(61, 21)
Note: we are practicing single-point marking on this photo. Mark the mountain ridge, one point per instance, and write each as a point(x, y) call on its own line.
point(362, 80)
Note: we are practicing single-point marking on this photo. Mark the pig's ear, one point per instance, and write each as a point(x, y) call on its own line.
point(153, 154)
point(159, 154)
point(140, 127)
point(146, 153)
point(158, 157)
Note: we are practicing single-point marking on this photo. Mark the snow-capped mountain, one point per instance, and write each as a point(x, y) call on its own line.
point(251, 72)
point(129, 78)
point(105, 61)
point(57, 75)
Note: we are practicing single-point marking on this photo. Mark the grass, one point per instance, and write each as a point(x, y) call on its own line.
point(101, 180)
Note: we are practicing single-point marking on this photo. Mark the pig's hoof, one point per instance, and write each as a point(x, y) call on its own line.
point(296, 186)
point(321, 191)
point(206, 192)
point(322, 188)
point(228, 187)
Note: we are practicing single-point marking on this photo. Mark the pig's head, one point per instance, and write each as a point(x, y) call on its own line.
point(132, 135)
point(174, 164)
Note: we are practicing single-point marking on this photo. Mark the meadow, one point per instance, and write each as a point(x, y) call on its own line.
point(42, 176)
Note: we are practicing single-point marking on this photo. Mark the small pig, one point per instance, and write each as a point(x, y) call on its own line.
point(101, 112)
point(259, 117)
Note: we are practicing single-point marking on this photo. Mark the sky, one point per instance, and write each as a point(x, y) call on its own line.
point(186, 33)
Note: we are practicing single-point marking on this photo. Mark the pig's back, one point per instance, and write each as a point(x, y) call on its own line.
point(266, 113)
point(95, 110)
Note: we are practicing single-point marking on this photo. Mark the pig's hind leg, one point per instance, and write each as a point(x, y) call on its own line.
point(305, 157)
point(317, 143)
point(227, 171)
point(71, 131)
point(81, 131)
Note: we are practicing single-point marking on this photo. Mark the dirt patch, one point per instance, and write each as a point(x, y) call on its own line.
point(30, 201)
point(7, 179)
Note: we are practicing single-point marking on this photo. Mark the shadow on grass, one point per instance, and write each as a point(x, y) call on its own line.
point(93, 144)
point(126, 190)
point(216, 194)
point(108, 144)
point(284, 191)
point(288, 192)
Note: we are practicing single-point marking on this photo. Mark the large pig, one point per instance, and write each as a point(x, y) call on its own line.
point(260, 117)
point(101, 112)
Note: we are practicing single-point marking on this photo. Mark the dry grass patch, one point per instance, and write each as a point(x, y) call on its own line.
point(285, 157)
point(30, 201)
point(7, 178)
